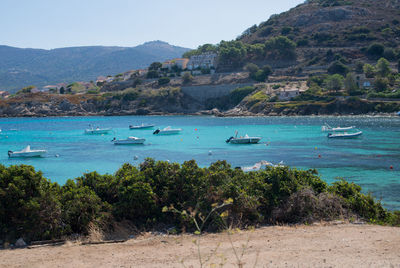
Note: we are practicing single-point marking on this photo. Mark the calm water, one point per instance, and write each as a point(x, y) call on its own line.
point(297, 141)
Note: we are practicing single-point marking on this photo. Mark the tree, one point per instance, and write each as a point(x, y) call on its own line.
point(369, 70)
point(380, 84)
point(350, 83)
point(359, 67)
point(375, 50)
point(267, 70)
point(338, 67)
point(334, 82)
point(163, 81)
point(187, 78)
point(382, 67)
point(251, 68)
point(398, 66)
point(155, 66)
point(280, 48)
point(152, 74)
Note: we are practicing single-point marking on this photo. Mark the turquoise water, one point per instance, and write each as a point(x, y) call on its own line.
point(297, 141)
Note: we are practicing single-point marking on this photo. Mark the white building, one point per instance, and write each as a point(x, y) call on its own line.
point(287, 94)
point(203, 61)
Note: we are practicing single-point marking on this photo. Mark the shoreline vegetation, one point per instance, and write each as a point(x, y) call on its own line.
point(175, 198)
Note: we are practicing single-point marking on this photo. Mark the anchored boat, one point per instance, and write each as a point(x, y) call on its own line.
point(167, 131)
point(344, 135)
point(327, 127)
point(142, 126)
point(246, 139)
point(97, 130)
point(129, 140)
point(27, 152)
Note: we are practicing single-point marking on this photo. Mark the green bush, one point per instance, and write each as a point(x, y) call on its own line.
point(163, 81)
point(34, 208)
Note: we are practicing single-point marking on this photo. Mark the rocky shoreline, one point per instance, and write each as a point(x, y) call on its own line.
point(47, 106)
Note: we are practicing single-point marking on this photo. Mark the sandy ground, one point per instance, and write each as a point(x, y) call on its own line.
point(343, 245)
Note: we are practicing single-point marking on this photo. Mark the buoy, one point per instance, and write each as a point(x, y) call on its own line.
point(315, 148)
point(319, 156)
point(195, 129)
point(391, 167)
point(136, 157)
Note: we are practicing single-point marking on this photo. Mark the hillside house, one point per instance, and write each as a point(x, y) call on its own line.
point(287, 94)
point(363, 82)
point(180, 63)
point(203, 61)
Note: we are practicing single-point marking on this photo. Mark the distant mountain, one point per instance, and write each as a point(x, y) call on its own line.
point(22, 67)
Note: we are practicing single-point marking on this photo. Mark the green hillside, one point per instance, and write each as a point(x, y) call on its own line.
point(22, 67)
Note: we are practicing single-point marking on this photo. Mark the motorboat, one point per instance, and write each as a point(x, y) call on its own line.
point(257, 166)
point(97, 130)
point(27, 152)
point(129, 140)
point(142, 126)
point(327, 127)
point(344, 135)
point(167, 131)
point(246, 139)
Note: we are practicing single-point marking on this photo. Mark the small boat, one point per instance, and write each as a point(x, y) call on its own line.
point(26, 152)
point(142, 126)
point(129, 140)
point(243, 140)
point(344, 135)
point(97, 130)
point(327, 127)
point(167, 131)
point(257, 166)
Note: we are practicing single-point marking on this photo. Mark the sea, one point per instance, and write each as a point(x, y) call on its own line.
point(372, 160)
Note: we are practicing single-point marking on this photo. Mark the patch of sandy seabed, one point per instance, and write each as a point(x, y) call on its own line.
point(343, 245)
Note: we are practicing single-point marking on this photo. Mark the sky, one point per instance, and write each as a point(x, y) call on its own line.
point(64, 23)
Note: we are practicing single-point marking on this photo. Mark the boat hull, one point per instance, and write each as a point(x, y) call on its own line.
point(344, 136)
point(97, 131)
point(38, 153)
point(129, 142)
point(250, 140)
point(142, 127)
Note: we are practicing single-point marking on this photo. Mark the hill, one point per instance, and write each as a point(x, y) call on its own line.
point(21, 67)
point(316, 33)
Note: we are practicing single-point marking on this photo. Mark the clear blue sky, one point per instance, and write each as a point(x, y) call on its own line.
point(63, 23)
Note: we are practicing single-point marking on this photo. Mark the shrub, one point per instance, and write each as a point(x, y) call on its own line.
point(239, 94)
point(163, 81)
point(187, 78)
point(280, 48)
point(338, 67)
point(375, 50)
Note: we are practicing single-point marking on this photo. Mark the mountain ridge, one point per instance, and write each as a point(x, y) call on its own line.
point(20, 67)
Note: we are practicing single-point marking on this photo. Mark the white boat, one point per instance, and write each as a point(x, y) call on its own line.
point(246, 139)
point(129, 140)
point(257, 166)
point(167, 131)
point(142, 126)
point(97, 130)
point(27, 152)
point(344, 135)
point(327, 127)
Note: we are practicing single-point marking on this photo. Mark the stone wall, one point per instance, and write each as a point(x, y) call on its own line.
point(202, 93)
